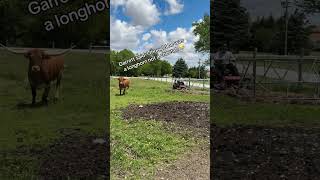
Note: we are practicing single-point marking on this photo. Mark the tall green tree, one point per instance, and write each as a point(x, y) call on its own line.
point(229, 24)
point(180, 69)
point(202, 29)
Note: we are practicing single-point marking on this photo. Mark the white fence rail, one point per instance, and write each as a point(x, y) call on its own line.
point(190, 82)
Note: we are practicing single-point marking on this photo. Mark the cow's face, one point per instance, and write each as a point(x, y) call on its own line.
point(120, 79)
point(36, 58)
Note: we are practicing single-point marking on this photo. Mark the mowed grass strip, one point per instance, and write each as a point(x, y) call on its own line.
point(228, 110)
point(139, 146)
point(82, 106)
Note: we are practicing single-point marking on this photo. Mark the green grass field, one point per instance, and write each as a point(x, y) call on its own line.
point(82, 105)
point(227, 111)
point(139, 146)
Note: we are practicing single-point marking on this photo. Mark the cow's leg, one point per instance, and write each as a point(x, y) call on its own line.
point(46, 93)
point(56, 96)
point(120, 91)
point(34, 94)
point(124, 91)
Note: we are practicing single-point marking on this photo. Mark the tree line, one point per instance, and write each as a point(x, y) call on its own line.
point(233, 25)
point(156, 68)
point(20, 28)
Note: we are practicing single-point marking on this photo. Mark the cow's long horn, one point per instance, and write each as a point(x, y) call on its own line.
point(61, 53)
point(12, 51)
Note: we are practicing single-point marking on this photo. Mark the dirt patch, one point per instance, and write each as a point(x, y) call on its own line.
point(193, 165)
point(74, 156)
point(252, 152)
point(193, 115)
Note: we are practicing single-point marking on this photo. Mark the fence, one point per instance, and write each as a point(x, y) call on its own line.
point(191, 83)
point(91, 47)
point(294, 77)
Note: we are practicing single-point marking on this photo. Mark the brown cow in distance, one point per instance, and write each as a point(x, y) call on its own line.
point(43, 69)
point(124, 84)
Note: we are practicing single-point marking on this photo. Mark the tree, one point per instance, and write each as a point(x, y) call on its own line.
point(309, 6)
point(230, 24)
point(180, 69)
point(193, 72)
point(19, 27)
point(299, 31)
point(166, 68)
point(202, 29)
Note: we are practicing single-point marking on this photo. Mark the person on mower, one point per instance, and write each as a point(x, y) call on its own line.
point(222, 62)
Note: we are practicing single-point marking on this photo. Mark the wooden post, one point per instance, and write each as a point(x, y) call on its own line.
point(189, 83)
point(203, 84)
point(254, 71)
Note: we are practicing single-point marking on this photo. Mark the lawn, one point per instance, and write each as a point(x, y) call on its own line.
point(138, 147)
point(228, 110)
point(82, 106)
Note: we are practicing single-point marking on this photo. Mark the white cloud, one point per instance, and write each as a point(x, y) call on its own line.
point(189, 54)
point(116, 3)
point(175, 7)
point(124, 35)
point(146, 36)
point(142, 12)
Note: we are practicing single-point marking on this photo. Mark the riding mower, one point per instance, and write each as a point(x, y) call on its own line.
point(179, 85)
point(230, 78)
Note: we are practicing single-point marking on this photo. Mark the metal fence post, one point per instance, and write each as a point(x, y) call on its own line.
point(300, 66)
point(254, 71)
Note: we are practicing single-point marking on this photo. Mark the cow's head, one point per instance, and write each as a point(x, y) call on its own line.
point(121, 80)
point(36, 57)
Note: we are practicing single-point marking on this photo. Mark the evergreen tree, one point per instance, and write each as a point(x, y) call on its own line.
point(230, 24)
point(299, 31)
point(180, 69)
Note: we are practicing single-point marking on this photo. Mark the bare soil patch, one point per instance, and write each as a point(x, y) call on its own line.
point(76, 156)
point(193, 165)
point(255, 152)
point(192, 115)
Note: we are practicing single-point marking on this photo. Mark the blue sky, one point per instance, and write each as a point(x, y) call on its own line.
point(139, 25)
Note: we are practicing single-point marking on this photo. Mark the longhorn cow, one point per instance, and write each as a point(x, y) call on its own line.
point(43, 69)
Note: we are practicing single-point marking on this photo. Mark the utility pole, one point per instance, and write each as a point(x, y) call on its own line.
point(199, 69)
point(285, 5)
